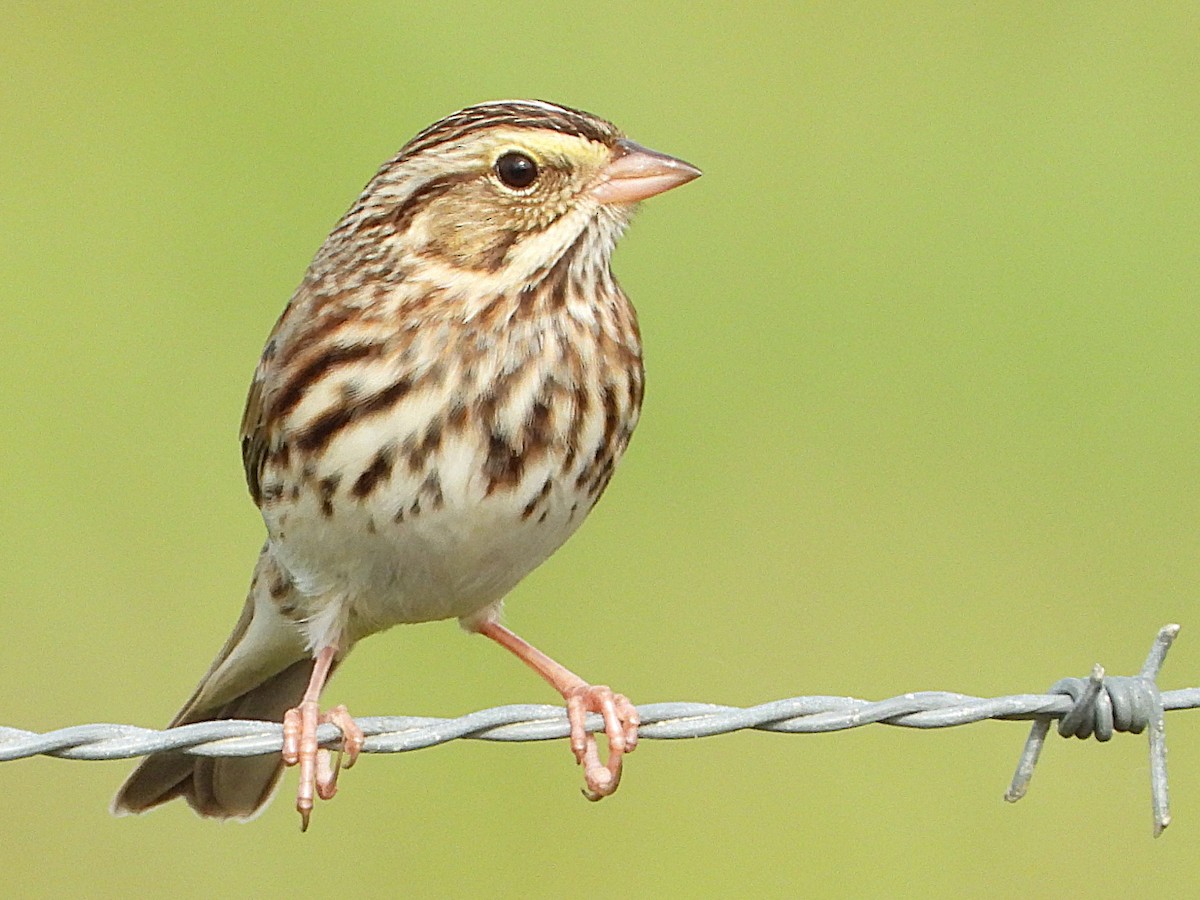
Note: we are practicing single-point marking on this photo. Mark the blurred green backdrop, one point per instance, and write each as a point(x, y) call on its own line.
point(922, 415)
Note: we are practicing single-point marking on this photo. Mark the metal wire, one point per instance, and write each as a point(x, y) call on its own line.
point(1094, 707)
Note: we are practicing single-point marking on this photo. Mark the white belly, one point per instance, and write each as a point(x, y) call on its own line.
point(400, 557)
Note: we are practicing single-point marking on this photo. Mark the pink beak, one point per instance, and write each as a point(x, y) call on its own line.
point(636, 173)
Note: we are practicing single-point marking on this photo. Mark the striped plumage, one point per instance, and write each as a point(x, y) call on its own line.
point(438, 408)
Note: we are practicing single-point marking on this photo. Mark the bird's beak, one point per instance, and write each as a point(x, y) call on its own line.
point(636, 172)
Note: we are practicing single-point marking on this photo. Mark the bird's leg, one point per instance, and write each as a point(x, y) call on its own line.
point(300, 724)
point(620, 716)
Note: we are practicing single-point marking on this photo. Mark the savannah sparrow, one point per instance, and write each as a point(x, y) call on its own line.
point(437, 410)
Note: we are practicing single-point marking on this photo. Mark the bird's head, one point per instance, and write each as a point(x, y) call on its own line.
point(504, 191)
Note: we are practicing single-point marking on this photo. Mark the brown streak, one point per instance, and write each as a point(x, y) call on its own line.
point(457, 418)
point(504, 465)
point(558, 277)
point(636, 387)
point(583, 400)
point(328, 312)
point(432, 487)
point(489, 315)
point(537, 500)
point(329, 486)
point(318, 435)
point(316, 369)
point(612, 416)
point(539, 424)
point(400, 217)
point(493, 257)
point(600, 482)
point(379, 470)
point(514, 115)
point(487, 407)
point(418, 452)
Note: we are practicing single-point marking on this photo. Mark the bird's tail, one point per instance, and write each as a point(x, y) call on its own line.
point(261, 672)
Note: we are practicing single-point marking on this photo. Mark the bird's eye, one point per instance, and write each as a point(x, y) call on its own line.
point(516, 170)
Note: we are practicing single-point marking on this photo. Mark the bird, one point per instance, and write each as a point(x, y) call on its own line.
point(439, 406)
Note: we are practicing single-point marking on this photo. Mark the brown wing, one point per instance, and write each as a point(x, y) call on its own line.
point(257, 434)
point(254, 436)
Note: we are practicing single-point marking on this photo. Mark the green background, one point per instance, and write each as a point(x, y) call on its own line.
point(923, 385)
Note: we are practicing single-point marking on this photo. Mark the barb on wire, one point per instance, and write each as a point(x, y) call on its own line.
point(1096, 706)
point(1104, 705)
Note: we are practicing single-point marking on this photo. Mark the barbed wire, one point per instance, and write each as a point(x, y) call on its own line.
point(1097, 706)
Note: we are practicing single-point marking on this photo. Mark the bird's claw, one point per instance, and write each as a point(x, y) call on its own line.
point(620, 726)
point(318, 773)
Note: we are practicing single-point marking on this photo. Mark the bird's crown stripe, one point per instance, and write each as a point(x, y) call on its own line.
point(512, 114)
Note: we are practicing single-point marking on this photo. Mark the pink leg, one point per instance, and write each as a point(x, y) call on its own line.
point(620, 716)
point(300, 723)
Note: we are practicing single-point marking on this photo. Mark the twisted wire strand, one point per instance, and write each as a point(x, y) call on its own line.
point(1096, 707)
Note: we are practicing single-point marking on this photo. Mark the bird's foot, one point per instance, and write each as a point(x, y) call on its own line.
point(318, 772)
point(620, 716)
point(620, 726)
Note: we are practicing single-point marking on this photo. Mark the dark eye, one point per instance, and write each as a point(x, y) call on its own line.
point(516, 170)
